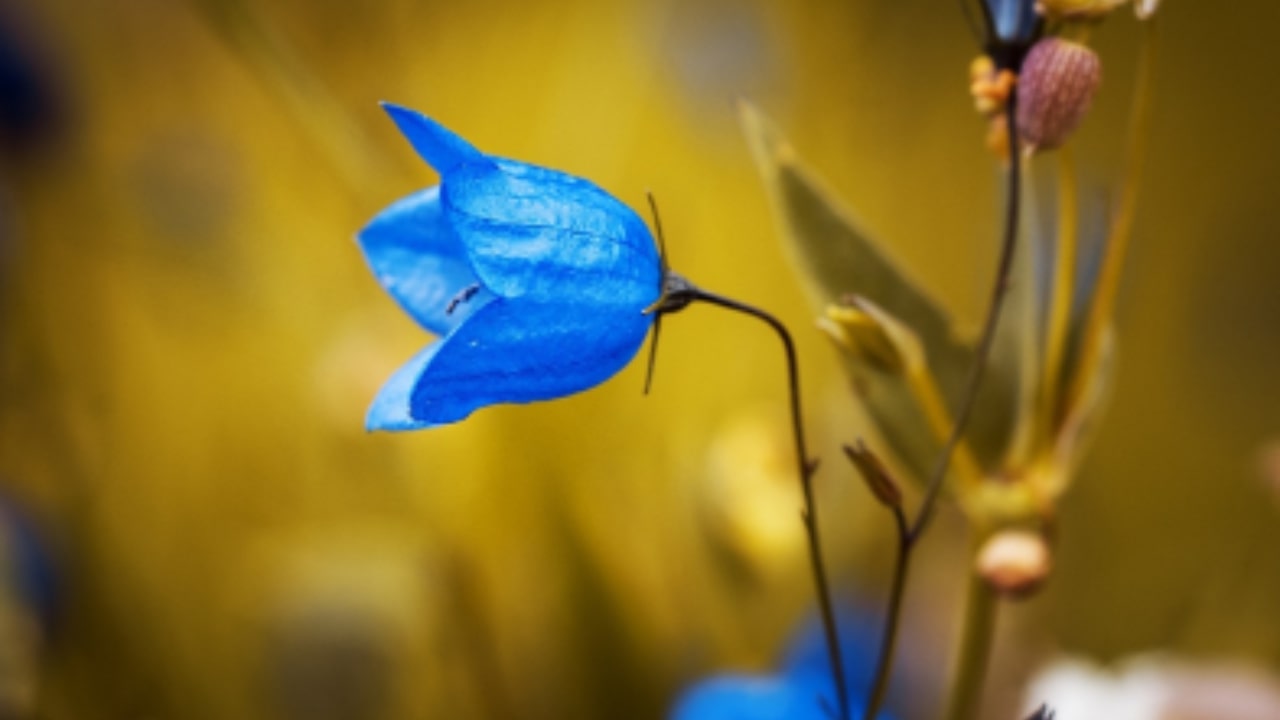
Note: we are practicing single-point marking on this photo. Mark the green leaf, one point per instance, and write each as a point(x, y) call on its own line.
point(1080, 423)
point(1018, 351)
point(837, 257)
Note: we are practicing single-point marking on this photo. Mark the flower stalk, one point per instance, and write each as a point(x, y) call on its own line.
point(679, 293)
point(975, 650)
point(979, 616)
point(1004, 270)
point(877, 477)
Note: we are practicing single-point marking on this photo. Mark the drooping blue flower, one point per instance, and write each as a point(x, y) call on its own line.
point(800, 689)
point(537, 280)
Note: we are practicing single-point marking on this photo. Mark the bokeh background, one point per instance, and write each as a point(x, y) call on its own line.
point(195, 524)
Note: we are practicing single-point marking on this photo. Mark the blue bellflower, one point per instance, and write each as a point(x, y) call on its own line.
point(538, 282)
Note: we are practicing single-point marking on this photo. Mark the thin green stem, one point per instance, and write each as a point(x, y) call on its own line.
point(975, 650)
point(1064, 273)
point(910, 535)
point(893, 617)
point(805, 469)
point(1004, 269)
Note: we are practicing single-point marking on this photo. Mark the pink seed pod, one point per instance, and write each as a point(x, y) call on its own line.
point(1055, 89)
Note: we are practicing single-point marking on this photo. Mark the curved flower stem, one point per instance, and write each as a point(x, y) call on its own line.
point(805, 468)
point(908, 536)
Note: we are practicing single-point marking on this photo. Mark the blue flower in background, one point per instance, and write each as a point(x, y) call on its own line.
point(1014, 20)
point(538, 282)
point(800, 689)
point(28, 571)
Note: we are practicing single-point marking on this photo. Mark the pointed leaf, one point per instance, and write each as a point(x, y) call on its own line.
point(1018, 351)
point(1080, 423)
point(886, 361)
point(836, 257)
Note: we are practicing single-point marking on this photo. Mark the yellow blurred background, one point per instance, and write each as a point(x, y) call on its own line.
point(189, 338)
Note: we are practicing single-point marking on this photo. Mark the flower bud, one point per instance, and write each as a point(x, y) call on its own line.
point(1014, 562)
point(875, 474)
point(867, 332)
point(1055, 89)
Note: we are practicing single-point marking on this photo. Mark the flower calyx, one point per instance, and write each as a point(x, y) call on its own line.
point(677, 293)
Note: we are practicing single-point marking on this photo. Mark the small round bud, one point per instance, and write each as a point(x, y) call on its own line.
point(1055, 89)
point(1014, 562)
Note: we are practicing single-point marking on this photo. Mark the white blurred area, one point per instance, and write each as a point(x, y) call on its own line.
point(1155, 687)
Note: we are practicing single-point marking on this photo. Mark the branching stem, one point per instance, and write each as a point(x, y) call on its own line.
point(1013, 202)
point(909, 535)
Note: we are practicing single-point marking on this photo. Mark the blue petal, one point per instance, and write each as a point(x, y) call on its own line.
point(802, 687)
point(523, 351)
point(739, 697)
point(390, 410)
point(441, 148)
point(545, 235)
point(807, 655)
point(418, 259)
